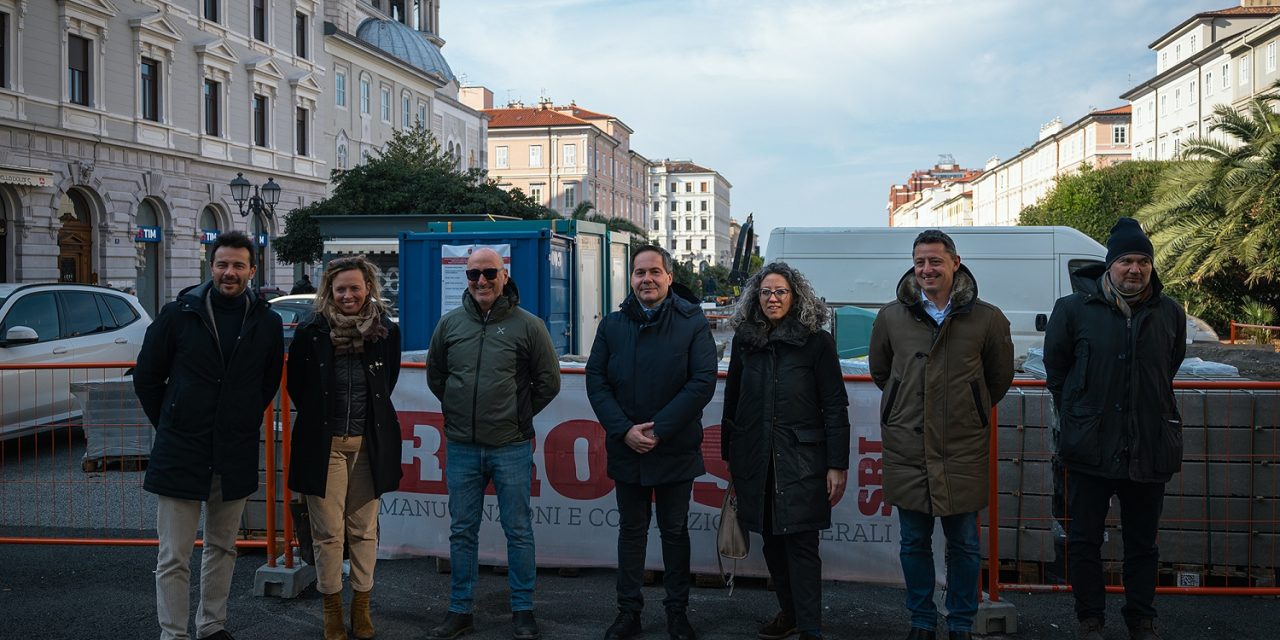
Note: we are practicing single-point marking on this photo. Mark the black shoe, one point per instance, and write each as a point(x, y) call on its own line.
point(1145, 629)
point(1091, 629)
point(523, 626)
point(959, 635)
point(921, 634)
point(678, 626)
point(453, 625)
point(782, 626)
point(624, 627)
point(220, 635)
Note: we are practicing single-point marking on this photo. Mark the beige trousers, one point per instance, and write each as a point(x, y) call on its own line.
point(348, 509)
point(176, 523)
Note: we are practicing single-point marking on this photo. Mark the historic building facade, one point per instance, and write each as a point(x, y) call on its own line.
point(122, 123)
point(690, 213)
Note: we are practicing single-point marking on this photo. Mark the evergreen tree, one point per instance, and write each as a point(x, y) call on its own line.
point(411, 176)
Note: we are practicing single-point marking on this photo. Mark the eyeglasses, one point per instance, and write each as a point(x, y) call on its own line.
point(489, 274)
point(769, 293)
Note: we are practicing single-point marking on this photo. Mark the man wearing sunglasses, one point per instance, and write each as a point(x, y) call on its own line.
point(652, 370)
point(493, 367)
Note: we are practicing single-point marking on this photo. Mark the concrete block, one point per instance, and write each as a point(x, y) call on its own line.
point(282, 582)
point(995, 617)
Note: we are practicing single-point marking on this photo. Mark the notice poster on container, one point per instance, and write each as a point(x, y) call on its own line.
point(453, 270)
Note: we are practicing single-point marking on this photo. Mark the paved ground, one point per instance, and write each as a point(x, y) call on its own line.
point(108, 593)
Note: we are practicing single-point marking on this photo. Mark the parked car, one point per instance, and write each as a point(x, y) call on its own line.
point(58, 323)
point(300, 305)
point(293, 309)
point(270, 293)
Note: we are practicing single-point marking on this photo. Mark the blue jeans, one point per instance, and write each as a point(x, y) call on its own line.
point(964, 564)
point(468, 470)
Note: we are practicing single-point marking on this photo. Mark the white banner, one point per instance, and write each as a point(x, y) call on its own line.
point(574, 511)
point(453, 271)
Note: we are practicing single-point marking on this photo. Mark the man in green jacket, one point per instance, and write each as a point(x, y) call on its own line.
point(493, 367)
point(943, 357)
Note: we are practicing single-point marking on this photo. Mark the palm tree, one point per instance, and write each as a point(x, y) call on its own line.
point(1221, 207)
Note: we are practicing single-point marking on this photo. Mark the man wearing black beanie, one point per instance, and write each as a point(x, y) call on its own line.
point(1111, 351)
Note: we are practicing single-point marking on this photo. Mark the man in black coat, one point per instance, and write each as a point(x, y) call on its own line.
point(652, 370)
point(1111, 351)
point(209, 367)
point(303, 286)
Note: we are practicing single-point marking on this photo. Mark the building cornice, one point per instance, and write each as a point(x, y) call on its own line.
point(1079, 124)
point(136, 146)
point(1196, 61)
point(1177, 31)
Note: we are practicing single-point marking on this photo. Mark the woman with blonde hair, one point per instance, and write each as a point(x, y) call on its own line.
point(343, 365)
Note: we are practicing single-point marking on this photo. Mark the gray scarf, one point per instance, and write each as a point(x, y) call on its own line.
point(1123, 302)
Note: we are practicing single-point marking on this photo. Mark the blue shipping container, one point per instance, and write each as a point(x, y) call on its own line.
point(541, 267)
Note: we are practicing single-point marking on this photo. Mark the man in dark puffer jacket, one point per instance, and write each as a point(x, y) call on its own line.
point(652, 370)
point(1111, 350)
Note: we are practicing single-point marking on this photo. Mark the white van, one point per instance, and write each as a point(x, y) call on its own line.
point(1021, 270)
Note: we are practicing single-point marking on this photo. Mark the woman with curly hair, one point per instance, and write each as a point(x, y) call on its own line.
point(343, 365)
point(785, 435)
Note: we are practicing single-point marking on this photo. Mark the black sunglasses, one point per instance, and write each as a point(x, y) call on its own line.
point(489, 274)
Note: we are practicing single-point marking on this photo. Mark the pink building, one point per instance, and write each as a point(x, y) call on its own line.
point(564, 155)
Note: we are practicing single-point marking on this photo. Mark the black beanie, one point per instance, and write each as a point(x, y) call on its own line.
point(1127, 237)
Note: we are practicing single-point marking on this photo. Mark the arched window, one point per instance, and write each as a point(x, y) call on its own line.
point(74, 207)
point(208, 232)
point(150, 271)
point(5, 234)
point(342, 155)
point(261, 228)
point(75, 238)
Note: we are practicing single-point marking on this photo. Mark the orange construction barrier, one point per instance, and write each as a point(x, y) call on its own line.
point(73, 444)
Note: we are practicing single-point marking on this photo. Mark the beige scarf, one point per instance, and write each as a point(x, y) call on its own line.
point(348, 333)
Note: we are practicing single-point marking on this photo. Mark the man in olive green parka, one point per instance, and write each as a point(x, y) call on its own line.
point(943, 358)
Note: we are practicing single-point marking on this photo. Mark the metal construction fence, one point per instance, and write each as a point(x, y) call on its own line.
point(1220, 526)
point(74, 443)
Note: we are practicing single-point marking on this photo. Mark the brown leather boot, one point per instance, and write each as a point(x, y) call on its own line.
point(361, 622)
point(333, 625)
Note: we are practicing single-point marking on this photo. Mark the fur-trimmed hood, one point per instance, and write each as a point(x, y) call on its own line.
point(755, 336)
point(964, 290)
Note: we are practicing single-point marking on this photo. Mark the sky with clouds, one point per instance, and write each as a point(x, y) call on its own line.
point(813, 108)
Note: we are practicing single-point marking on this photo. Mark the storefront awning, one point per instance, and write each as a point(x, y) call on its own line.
point(25, 176)
point(362, 245)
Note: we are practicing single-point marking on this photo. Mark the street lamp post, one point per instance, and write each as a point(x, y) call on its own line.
point(263, 201)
